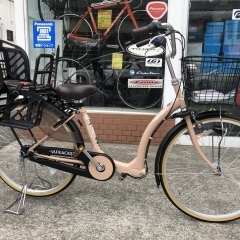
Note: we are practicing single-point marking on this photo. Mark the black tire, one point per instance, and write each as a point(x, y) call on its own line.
point(51, 9)
point(68, 71)
point(126, 26)
point(189, 183)
point(46, 10)
point(76, 49)
point(42, 180)
point(143, 97)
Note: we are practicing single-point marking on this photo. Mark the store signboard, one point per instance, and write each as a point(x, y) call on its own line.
point(156, 9)
point(236, 14)
point(43, 34)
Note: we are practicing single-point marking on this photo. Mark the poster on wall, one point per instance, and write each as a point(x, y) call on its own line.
point(43, 34)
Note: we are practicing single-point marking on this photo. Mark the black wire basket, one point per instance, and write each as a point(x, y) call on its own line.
point(211, 80)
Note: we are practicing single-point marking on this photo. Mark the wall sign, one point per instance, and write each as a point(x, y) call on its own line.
point(156, 10)
point(43, 34)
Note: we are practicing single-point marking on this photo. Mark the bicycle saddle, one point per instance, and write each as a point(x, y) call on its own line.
point(76, 92)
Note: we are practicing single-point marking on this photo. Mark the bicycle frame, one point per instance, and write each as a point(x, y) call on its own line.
point(127, 8)
point(136, 167)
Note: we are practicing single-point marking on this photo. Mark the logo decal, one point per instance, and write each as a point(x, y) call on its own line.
point(236, 14)
point(131, 72)
point(147, 50)
point(144, 83)
point(145, 72)
point(61, 152)
point(156, 10)
point(153, 62)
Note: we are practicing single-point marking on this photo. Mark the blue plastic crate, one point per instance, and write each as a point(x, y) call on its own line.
point(228, 47)
point(212, 57)
point(212, 37)
point(232, 54)
point(228, 67)
point(231, 37)
point(232, 26)
point(212, 48)
point(210, 67)
point(214, 27)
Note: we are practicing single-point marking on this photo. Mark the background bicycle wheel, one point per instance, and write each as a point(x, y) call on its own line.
point(139, 98)
point(68, 71)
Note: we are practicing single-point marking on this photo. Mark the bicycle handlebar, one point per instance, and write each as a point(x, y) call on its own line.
point(156, 27)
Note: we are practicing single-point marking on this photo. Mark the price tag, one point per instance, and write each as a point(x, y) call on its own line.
point(104, 19)
point(117, 59)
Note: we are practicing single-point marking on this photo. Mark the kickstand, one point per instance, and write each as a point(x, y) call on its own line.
point(20, 200)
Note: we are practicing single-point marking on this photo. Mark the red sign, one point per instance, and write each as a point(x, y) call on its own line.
point(156, 10)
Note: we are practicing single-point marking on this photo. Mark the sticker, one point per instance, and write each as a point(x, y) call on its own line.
point(147, 50)
point(156, 10)
point(153, 62)
point(145, 83)
point(117, 59)
point(104, 19)
point(236, 14)
point(145, 72)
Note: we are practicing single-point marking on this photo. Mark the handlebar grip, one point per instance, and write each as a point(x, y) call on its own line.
point(140, 31)
point(143, 42)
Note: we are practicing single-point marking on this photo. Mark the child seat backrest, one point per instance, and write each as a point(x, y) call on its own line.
point(14, 63)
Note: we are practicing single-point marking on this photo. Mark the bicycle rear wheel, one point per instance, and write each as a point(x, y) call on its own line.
point(75, 48)
point(146, 90)
point(188, 181)
point(46, 9)
point(42, 180)
point(69, 71)
point(51, 9)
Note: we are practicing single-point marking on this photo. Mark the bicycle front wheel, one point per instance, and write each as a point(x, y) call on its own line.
point(68, 71)
point(137, 89)
point(126, 26)
point(41, 180)
point(188, 181)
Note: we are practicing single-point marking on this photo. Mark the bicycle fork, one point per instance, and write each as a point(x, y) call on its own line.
point(221, 132)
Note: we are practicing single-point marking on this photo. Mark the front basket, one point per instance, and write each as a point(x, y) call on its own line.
point(211, 80)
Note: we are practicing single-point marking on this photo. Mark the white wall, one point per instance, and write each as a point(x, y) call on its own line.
point(7, 19)
point(178, 11)
point(21, 24)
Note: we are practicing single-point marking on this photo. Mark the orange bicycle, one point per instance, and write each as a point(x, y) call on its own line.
point(86, 32)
